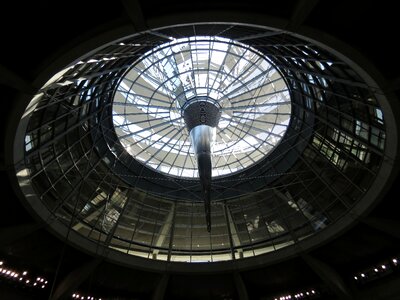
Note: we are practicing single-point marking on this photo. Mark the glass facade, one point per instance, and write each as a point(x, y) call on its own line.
point(302, 138)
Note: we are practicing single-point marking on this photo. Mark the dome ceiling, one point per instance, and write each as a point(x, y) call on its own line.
point(103, 153)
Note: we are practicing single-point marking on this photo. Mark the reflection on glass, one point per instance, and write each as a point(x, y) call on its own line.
point(254, 100)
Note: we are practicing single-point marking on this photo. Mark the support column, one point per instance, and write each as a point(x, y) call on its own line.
point(331, 278)
point(167, 226)
point(13, 234)
point(228, 226)
point(234, 234)
point(135, 13)
point(171, 236)
point(74, 279)
point(240, 286)
point(301, 12)
point(391, 227)
point(13, 80)
point(159, 292)
point(393, 85)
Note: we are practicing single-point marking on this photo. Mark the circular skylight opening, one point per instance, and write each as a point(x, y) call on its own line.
point(249, 92)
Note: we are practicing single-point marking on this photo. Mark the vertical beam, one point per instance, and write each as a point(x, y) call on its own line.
point(240, 286)
point(135, 13)
point(171, 238)
point(314, 216)
point(331, 278)
point(228, 226)
point(391, 227)
point(159, 292)
point(168, 223)
point(74, 279)
point(234, 235)
point(11, 234)
point(302, 10)
point(13, 80)
point(115, 226)
point(88, 219)
point(289, 228)
point(393, 85)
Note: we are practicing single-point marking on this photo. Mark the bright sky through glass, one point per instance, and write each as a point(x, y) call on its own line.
point(254, 101)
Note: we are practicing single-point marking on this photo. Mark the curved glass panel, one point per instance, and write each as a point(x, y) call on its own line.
point(329, 164)
point(254, 100)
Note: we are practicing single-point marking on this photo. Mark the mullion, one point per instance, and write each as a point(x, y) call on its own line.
point(140, 113)
point(210, 53)
point(132, 94)
point(150, 89)
point(153, 143)
point(149, 128)
point(244, 84)
point(227, 53)
point(55, 138)
point(78, 189)
point(140, 122)
point(154, 65)
point(176, 156)
point(184, 162)
point(326, 76)
point(259, 96)
point(371, 147)
point(256, 105)
point(68, 149)
point(140, 105)
point(234, 66)
point(251, 64)
point(286, 150)
point(261, 113)
point(192, 62)
point(137, 141)
point(251, 146)
point(234, 188)
point(159, 150)
point(256, 128)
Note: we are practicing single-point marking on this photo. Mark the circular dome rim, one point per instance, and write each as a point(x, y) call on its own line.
point(386, 168)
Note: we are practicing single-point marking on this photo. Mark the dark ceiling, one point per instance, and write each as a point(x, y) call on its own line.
point(34, 33)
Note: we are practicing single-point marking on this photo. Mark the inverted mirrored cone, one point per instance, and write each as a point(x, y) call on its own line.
point(204, 167)
point(202, 137)
point(201, 115)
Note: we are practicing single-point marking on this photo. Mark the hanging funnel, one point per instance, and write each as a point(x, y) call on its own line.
point(201, 118)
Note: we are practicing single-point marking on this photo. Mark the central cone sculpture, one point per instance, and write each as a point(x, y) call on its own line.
point(201, 119)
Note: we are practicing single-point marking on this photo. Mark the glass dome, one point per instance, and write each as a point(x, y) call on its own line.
point(102, 154)
point(251, 94)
